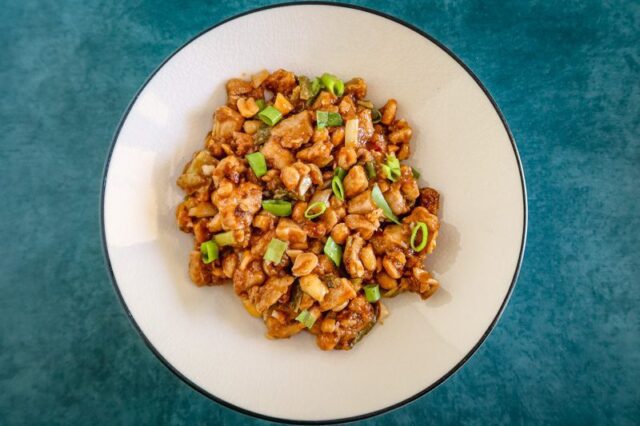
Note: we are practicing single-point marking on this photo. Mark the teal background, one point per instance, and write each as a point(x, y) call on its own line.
point(567, 77)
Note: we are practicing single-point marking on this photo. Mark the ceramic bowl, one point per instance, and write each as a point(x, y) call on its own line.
point(461, 144)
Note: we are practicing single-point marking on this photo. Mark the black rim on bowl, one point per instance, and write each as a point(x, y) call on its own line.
point(382, 410)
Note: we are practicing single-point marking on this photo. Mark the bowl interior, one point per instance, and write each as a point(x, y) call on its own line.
point(460, 145)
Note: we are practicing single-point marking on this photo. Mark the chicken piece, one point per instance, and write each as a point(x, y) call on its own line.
point(351, 257)
point(252, 275)
point(237, 204)
point(430, 199)
point(266, 295)
point(193, 176)
point(351, 325)
point(356, 87)
point(355, 181)
point(319, 153)
point(277, 157)
point(226, 121)
point(361, 204)
point(340, 291)
point(293, 131)
point(282, 81)
point(365, 126)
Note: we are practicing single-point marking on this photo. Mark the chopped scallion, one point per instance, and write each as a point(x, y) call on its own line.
point(372, 293)
point(315, 210)
point(277, 207)
point(333, 251)
point(375, 116)
point(371, 169)
point(270, 115)
point(381, 202)
point(328, 119)
point(308, 88)
point(261, 104)
point(209, 250)
point(332, 84)
point(340, 172)
point(338, 188)
point(421, 228)
point(306, 318)
point(392, 168)
point(257, 162)
point(275, 250)
point(224, 239)
point(415, 173)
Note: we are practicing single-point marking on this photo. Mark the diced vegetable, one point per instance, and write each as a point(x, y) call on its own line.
point(351, 133)
point(333, 251)
point(328, 119)
point(224, 239)
point(305, 317)
point(376, 116)
point(392, 168)
point(340, 172)
point(415, 173)
point(209, 250)
point(275, 250)
point(262, 135)
point(372, 293)
point(338, 188)
point(261, 104)
point(332, 84)
point(371, 169)
point(257, 163)
point(305, 184)
point(277, 207)
point(381, 203)
point(270, 115)
point(308, 88)
point(419, 228)
point(315, 210)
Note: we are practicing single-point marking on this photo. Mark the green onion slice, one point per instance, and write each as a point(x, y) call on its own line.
point(372, 293)
point(420, 227)
point(375, 116)
point(333, 251)
point(275, 250)
point(340, 172)
point(415, 173)
point(209, 250)
point(224, 239)
point(270, 115)
point(308, 88)
point(328, 119)
point(338, 188)
point(333, 84)
point(381, 202)
point(392, 168)
point(258, 163)
point(261, 104)
point(305, 317)
point(315, 210)
point(277, 207)
point(371, 169)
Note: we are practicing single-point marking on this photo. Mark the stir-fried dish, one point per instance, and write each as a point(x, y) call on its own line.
point(301, 201)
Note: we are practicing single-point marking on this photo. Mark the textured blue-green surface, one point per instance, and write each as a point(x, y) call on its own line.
point(567, 77)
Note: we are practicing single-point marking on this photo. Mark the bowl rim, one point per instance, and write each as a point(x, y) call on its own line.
point(384, 410)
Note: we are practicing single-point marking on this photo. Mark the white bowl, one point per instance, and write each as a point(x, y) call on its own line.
point(461, 145)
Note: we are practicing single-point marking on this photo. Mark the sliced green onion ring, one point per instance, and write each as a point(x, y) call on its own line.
point(319, 206)
point(340, 172)
point(381, 202)
point(277, 207)
point(257, 163)
point(328, 119)
point(225, 239)
point(333, 251)
point(372, 292)
point(338, 188)
point(209, 250)
point(275, 250)
point(332, 84)
point(392, 168)
point(270, 115)
point(420, 227)
point(306, 318)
